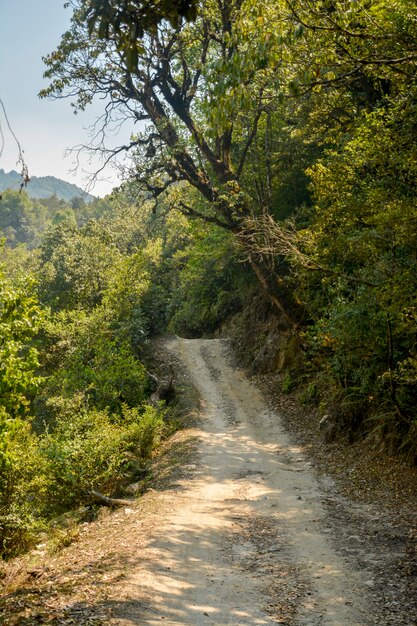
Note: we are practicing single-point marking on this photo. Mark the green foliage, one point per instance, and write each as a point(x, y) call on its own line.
point(288, 382)
point(88, 421)
point(208, 282)
point(309, 393)
point(90, 449)
point(42, 476)
point(22, 484)
point(20, 318)
point(145, 428)
point(159, 301)
point(85, 355)
point(123, 300)
point(25, 220)
point(363, 238)
point(130, 22)
point(18, 216)
point(89, 415)
point(75, 264)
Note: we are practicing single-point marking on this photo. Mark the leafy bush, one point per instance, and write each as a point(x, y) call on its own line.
point(42, 476)
point(144, 429)
point(20, 318)
point(22, 485)
point(76, 265)
point(208, 288)
point(85, 356)
point(90, 450)
point(122, 304)
point(363, 297)
point(21, 468)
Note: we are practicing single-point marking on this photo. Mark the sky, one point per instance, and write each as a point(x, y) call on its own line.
point(29, 30)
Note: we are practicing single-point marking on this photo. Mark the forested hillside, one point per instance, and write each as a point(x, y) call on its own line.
point(43, 187)
point(24, 220)
point(273, 151)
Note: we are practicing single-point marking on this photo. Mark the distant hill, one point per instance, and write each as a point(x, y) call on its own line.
point(43, 187)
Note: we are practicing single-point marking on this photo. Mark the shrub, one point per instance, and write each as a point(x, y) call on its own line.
point(91, 449)
point(208, 284)
point(86, 357)
point(22, 485)
point(143, 430)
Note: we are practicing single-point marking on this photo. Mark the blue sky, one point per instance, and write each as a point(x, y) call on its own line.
point(30, 29)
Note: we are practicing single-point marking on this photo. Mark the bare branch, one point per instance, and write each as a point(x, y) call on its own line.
point(190, 212)
point(21, 161)
point(248, 144)
point(268, 241)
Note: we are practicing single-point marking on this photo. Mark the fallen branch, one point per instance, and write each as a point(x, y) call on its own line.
point(105, 501)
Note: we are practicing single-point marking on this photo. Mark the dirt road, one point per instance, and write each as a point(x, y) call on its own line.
point(244, 541)
point(238, 529)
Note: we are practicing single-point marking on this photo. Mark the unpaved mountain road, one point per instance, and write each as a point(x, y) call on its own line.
point(238, 530)
point(245, 540)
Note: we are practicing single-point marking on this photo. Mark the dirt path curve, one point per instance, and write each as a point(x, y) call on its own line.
point(243, 542)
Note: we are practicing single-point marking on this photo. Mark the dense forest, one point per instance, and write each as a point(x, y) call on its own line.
point(273, 151)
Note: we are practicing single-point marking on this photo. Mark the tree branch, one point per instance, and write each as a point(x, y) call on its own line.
point(248, 144)
point(190, 212)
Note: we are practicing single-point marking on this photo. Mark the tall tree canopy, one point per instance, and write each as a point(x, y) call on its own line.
point(130, 20)
point(255, 113)
point(200, 94)
point(191, 83)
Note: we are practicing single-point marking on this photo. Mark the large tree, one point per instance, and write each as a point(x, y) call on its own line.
point(189, 83)
point(208, 98)
point(199, 94)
